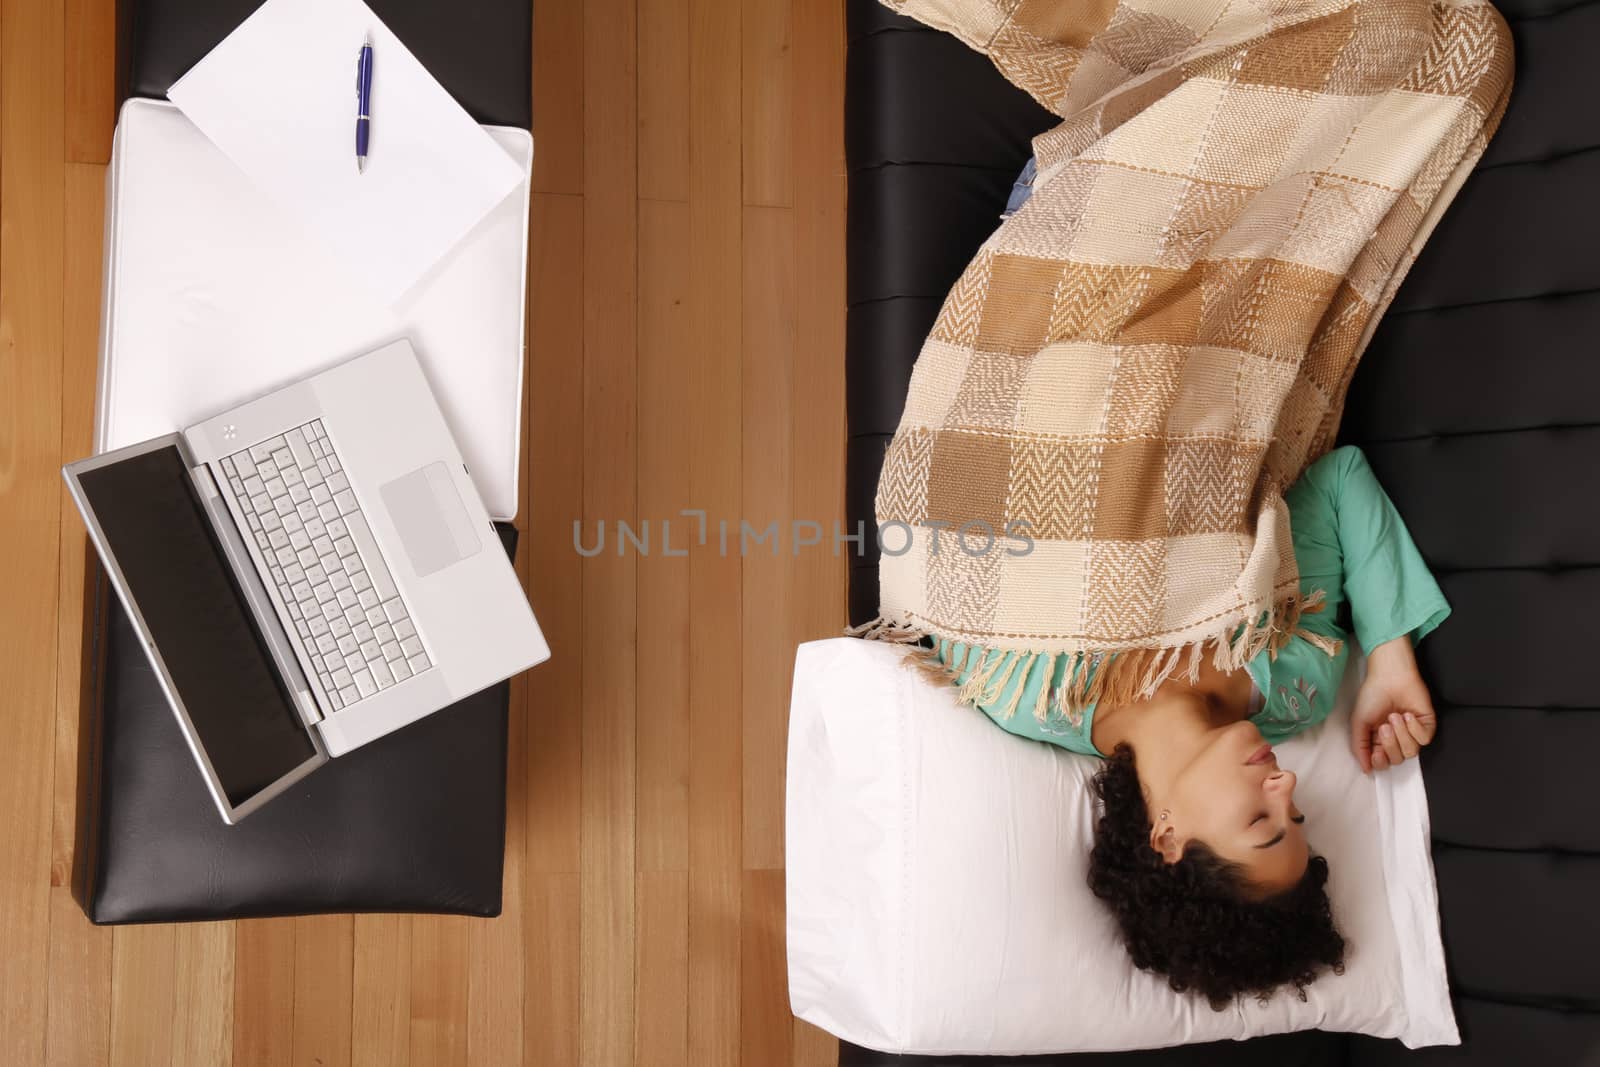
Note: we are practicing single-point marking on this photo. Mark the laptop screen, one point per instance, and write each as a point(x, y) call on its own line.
point(175, 570)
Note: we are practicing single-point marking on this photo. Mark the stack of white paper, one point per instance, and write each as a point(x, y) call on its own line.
point(278, 97)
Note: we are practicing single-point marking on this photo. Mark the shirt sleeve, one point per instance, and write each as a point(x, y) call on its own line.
point(1348, 534)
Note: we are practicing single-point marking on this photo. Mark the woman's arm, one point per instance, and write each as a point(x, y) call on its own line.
point(1348, 530)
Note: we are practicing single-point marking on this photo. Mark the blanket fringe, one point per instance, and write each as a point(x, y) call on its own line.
point(1097, 677)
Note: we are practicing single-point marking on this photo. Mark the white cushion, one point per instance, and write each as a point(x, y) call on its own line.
point(214, 296)
point(937, 900)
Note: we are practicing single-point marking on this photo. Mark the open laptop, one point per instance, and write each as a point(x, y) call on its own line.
point(307, 572)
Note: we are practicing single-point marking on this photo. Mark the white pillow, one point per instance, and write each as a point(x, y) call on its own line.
point(937, 900)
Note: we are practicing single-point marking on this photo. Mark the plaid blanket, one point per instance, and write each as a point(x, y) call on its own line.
point(1136, 364)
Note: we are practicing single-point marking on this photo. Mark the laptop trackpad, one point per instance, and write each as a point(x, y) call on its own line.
point(427, 512)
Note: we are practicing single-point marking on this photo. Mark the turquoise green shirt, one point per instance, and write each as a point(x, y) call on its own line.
point(1350, 542)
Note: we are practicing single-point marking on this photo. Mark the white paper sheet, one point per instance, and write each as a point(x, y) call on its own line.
point(278, 97)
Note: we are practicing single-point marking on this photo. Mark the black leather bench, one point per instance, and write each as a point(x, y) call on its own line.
point(1478, 404)
point(413, 822)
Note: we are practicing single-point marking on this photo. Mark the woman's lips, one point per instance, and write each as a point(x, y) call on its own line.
point(1261, 755)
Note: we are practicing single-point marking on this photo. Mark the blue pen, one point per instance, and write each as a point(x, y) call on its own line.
point(363, 102)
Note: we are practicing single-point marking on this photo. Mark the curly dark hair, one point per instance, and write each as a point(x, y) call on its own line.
point(1198, 921)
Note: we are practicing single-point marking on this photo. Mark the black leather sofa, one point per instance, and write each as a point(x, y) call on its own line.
point(1478, 404)
point(413, 822)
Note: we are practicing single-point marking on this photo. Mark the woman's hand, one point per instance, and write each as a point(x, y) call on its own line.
point(1393, 717)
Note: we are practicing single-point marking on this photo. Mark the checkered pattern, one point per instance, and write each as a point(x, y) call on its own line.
point(1140, 360)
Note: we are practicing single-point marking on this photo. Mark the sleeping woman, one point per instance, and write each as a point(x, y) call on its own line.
point(1201, 852)
point(1144, 367)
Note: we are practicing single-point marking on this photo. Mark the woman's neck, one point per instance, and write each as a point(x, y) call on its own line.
point(1169, 728)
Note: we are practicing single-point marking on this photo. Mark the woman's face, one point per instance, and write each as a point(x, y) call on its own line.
point(1233, 797)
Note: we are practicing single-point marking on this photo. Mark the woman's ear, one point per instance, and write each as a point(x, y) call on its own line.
point(1164, 839)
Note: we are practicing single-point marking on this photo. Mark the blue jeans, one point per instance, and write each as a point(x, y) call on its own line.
point(1021, 189)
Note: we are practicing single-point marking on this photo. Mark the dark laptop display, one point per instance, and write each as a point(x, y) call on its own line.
point(196, 614)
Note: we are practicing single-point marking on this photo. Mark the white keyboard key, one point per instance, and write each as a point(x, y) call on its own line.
point(319, 626)
point(347, 599)
point(339, 580)
point(403, 629)
point(362, 631)
point(338, 483)
point(418, 663)
point(336, 700)
point(328, 511)
point(350, 694)
point(385, 635)
point(394, 609)
point(338, 625)
point(326, 643)
point(336, 530)
point(296, 441)
point(411, 646)
point(253, 486)
point(365, 684)
point(376, 569)
point(342, 678)
point(368, 599)
point(275, 488)
point(244, 466)
point(299, 540)
point(320, 494)
point(282, 458)
point(380, 671)
point(299, 493)
point(401, 669)
point(375, 617)
point(348, 645)
point(346, 503)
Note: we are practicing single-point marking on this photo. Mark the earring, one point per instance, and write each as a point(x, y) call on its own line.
point(1165, 814)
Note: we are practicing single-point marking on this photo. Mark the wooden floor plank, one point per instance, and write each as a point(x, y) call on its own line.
point(439, 990)
point(202, 985)
point(662, 1034)
point(91, 44)
point(558, 119)
point(715, 483)
point(767, 98)
point(143, 996)
point(553, 968)
point(764, 1030)
point(263, 992)
point(666, 347)
point(768, 488)
point(664, 100)
point(324, 962)
point(80, 953)
point(554, 724)
point(606, 1003)
point(31, 278)
point(380, 1024)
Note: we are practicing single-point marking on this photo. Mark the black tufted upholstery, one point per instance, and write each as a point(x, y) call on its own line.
point(1478, 404)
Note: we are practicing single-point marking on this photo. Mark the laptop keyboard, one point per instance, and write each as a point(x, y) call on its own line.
point(320, 551)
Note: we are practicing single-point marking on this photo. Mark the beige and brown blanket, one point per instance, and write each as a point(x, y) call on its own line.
point(1138, 362)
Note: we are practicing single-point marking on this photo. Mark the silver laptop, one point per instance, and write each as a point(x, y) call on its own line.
point(308, 572)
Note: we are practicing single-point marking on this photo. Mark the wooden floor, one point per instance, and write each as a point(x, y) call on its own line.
point(686, 351)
